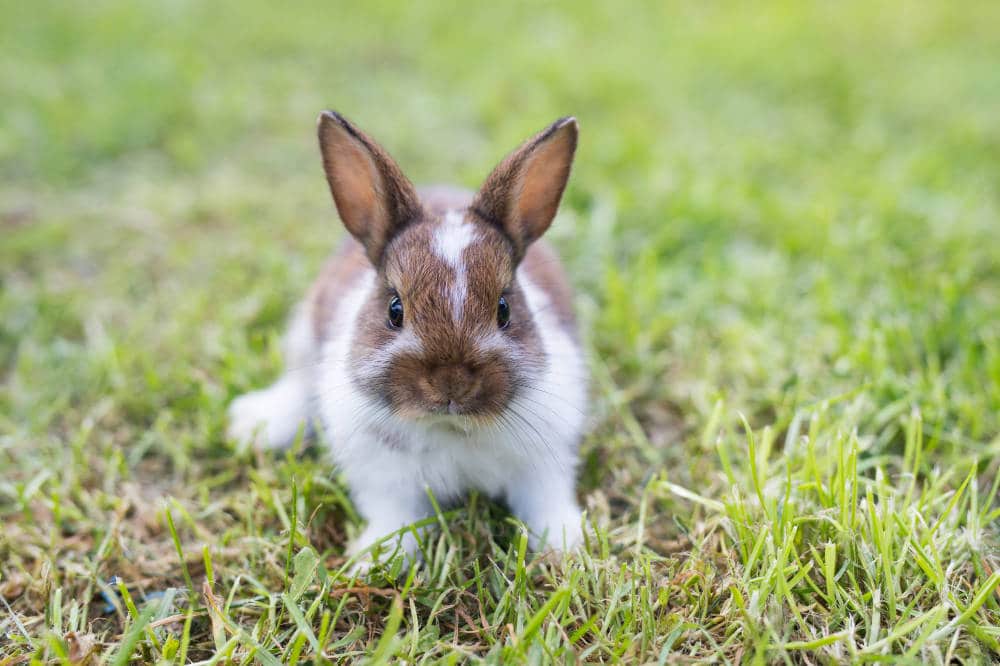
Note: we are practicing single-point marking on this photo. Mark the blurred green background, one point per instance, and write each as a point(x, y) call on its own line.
point(775, 206)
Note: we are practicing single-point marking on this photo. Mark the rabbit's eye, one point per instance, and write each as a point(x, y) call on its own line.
point(395, 312)
point(503, 313)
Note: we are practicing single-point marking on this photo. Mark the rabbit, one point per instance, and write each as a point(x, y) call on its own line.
point(438, 349)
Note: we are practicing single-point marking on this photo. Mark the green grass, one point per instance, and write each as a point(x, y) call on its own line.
point(784, 226)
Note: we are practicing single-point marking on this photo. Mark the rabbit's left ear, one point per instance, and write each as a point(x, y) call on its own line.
point(522, 194)
point(375, 200)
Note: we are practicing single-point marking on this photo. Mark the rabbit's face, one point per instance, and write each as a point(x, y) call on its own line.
point(446, 331)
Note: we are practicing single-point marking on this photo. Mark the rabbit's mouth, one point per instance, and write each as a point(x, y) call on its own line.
point(464, 423)
point(456, 424)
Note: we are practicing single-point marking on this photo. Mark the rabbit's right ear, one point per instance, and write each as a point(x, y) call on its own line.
point(374, 199)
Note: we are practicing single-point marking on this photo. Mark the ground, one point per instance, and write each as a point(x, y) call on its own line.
point(783, 225)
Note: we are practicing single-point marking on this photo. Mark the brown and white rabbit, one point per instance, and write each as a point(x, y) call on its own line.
point(438, 347)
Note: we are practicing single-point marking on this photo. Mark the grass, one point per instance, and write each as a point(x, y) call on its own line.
point(783, 225)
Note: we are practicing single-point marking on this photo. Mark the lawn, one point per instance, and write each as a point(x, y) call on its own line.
point(784, 227)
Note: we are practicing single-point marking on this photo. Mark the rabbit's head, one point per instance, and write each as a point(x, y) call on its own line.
point(448, 329)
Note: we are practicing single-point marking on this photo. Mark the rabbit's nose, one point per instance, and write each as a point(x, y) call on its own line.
point(455, 383)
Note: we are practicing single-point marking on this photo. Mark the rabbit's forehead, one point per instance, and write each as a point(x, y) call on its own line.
point(454, 267)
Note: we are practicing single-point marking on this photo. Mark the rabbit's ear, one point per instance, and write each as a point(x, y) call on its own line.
point(375, 200)
point(522, 194)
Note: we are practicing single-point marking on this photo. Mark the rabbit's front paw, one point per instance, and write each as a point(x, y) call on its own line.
point(268, 419)
point(558, 530)
point(379, 544)
point(547, 505)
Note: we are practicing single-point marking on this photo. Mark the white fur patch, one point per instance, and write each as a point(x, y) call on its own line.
point(337, 347)
point(450, 241)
